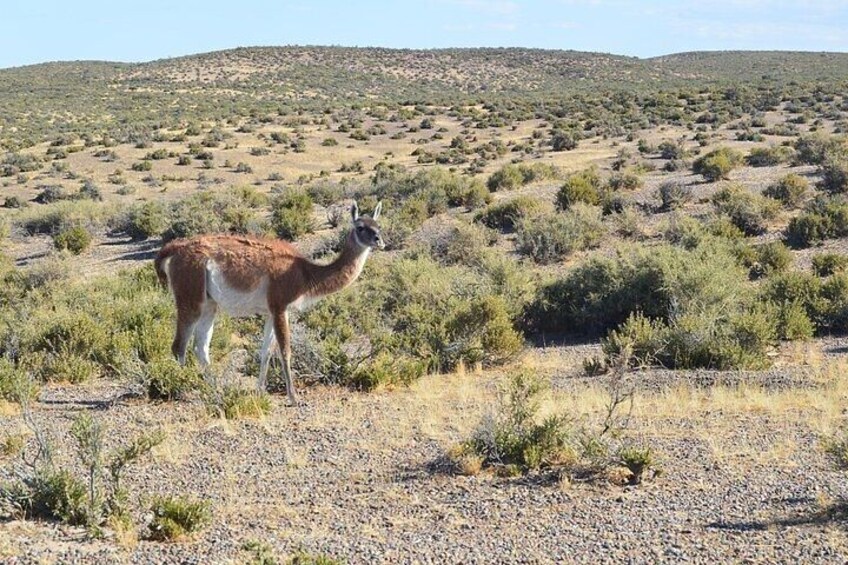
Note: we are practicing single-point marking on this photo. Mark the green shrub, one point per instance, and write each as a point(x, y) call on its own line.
point(826, 264)
point(514, 437)
point(624, 181)
point(717, 164)
point(418, 315)
point(484, 331)
point(823, 301)
point(176, 517)
point(533, 172)
point(583, 187)
point(325, 193)
point(461, 244)
point(235, 403)
point(75, 239)
point(564, 140)
point(749, 212)
point(674, 194)
point(696, 339)
point(471, 194)
point(790, 190)
point(165, 379)
point(807, 229)
point(386, 369)
point(291, 215)
point(202, 213)
point(16, 385)
point(49, 494)
point(303, 558)
point(638, 460)
point(660, 281)
point(551, 237)
point(770, 258)
point(794, 322)
point(768, 156)
point(672, 150)
point(834, 174)
point(509, 177)
point(146, 220)
point(507, 214)
point(814, 149)
point(16, 163)
point(50, 218)
point(824, 218)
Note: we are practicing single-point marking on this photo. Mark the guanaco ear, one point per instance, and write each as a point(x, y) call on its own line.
point(377, 209)
point(354, 211)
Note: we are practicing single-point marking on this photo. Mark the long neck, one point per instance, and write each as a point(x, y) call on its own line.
point(333, 277)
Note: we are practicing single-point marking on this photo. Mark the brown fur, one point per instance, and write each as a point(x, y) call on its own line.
point(244, 263)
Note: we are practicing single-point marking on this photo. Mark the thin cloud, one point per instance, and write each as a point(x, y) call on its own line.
point(501, 26)
point(496, 7)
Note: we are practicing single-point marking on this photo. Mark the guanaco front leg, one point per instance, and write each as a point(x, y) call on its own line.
point(281, 329)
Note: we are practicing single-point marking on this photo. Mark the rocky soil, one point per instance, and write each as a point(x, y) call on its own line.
point(357, 477)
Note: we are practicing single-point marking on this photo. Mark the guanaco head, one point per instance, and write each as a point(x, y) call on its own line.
point(366, 232)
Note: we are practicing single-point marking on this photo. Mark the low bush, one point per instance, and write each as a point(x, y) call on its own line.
point(75, 239)
point(674, 194)
point(50, 492)
point(291, 215)
point(460, 244)
point(836, 447)
point(790, 190)
point(146, 220)
point(770, 258)
point(50, 218)
point(177, 517)
point(548, 238)
point(205, 212)
point(696, 339)
point(669, 305)
point(815, 148)
point(117, 325)
point(823, 301)
point(826, 264)
point(834, 174)
point(749, 212)
point(235, 403)
point(514, 439)
point(823, 218)
point(768, 156)
point(584, 187)
point(507, 178)
point(624, 181)
point(717, 164)
point(507, 214)
point(415, 315)
point(510, 177)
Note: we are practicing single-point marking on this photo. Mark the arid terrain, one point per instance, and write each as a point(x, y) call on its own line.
point(660, 243)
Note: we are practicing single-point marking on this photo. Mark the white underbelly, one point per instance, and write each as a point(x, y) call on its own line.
point(235, 302)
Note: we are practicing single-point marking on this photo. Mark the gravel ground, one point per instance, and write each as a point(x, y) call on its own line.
point(352, 475)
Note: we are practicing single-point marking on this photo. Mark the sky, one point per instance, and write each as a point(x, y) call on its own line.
point(36, 31)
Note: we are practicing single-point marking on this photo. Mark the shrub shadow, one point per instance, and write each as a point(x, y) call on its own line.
point(836, 513)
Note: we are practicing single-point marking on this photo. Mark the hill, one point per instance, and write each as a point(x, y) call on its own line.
point(40, 100)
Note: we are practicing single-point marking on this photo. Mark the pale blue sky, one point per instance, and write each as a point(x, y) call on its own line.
point(49, 30)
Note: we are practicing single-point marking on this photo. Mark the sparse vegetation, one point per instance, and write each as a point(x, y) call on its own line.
point(177, 517)
point(492, 255)
point(717, 164)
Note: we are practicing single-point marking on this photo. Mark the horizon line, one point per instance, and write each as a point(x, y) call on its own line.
point(425, 49)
